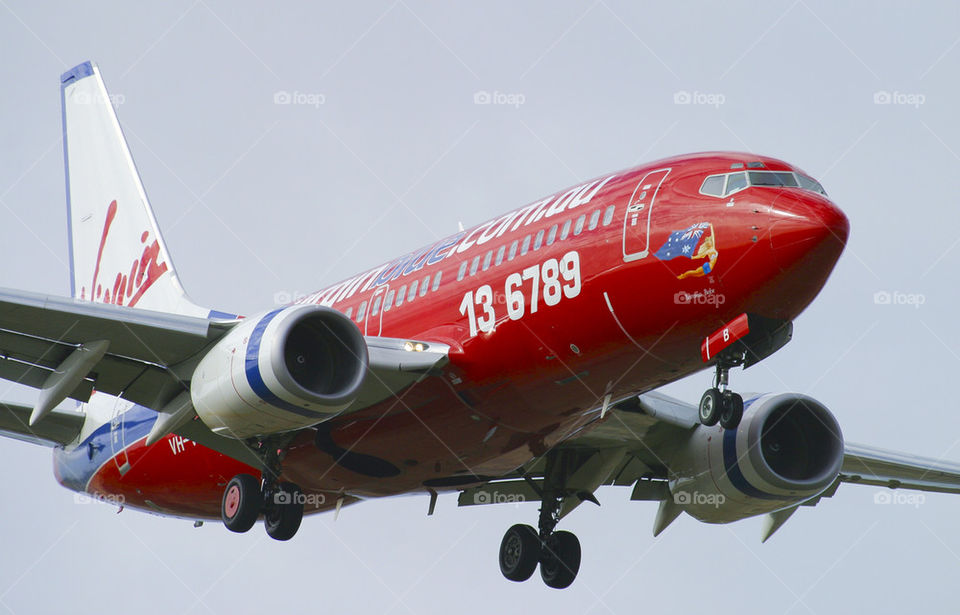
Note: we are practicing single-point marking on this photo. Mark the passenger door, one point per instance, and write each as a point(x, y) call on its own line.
point(636, 222)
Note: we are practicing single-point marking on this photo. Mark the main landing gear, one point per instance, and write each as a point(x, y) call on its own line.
point(523, 548)
point(557, 553)
point(246, 498)
point(719, 404)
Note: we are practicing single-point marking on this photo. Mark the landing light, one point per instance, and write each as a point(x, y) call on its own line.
point(414, 346)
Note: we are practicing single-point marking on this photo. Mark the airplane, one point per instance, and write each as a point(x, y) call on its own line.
point(516, 360)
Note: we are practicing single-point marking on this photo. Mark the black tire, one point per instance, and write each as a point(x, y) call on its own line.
point(711, 404)
point(241, 503)
point(561, 560)
point(284, 513)
point(732, 410)
point(519, 552)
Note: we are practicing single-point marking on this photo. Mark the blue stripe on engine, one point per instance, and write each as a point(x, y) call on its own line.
point(732, 467)
point(252, 369)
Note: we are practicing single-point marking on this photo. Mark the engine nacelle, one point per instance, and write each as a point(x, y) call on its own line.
point(284, 370)
point(787, 449)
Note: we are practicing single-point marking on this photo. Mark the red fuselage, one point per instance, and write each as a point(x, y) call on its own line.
point(629, 273)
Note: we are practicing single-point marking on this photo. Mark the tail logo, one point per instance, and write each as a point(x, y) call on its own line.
point(127, 288)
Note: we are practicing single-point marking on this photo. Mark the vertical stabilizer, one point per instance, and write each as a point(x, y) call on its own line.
point(116, 252)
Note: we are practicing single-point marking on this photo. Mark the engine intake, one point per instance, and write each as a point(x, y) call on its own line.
point(787, 449)
point(284, 370)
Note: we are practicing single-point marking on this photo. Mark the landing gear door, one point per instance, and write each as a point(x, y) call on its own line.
point(118, 435)
point(636, 223)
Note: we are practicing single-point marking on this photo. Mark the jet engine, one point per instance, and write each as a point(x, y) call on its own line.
point(287, 369)
point(787, 449)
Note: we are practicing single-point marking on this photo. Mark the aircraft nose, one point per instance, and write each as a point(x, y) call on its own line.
point(807, 228)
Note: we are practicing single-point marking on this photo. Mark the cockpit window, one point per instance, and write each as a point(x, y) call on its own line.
point(808, 183)
point(713, 185)
point(773, 178)
point(735, 182)
point(725, 185)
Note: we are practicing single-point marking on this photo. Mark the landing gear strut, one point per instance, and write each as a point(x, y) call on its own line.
point(719, 404)
point(246, 498)
point(557, 553)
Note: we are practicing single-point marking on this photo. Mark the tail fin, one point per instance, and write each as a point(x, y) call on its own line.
point(116, 252)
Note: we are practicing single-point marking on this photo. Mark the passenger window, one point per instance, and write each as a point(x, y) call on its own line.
point(413, 290)
point(552, 235)
point(594, 220)
point(565, 231)
point(608, 215)
point(401, 294)
point(388, 302)
point(578, 228)
point(500, 255)
point(362, 311)
point(513, 250)
point(462, 271)
point(376, 306)
point(539, 240)
point(713, 185)
point(526, 245)
point(349, 312)
point(486, 260)
point(735, 182)
point(474, 265)
point(425, 286)
point(436, 280)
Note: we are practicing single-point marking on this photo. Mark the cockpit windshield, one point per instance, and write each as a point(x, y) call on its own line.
point(727, 183)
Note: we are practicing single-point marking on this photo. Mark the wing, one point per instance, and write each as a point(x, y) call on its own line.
point(68, 348)
point(632, 447)
point(58, 428)
point(865, 465)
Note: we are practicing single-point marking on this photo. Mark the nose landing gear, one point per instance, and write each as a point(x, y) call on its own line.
point(719, 404)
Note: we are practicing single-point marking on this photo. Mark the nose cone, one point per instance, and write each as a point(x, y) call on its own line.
point(807, 236)
point(804, 223)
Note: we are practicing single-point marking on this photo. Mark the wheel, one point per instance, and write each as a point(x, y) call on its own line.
point(284, 512)
point(732, 410)
point(561, 560)
point(710, 405)
point(241, 504)
point(519, 552)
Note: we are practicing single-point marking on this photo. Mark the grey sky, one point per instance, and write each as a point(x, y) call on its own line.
point(256, 198)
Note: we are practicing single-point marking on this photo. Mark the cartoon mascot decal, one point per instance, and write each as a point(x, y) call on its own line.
point(695, 242)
